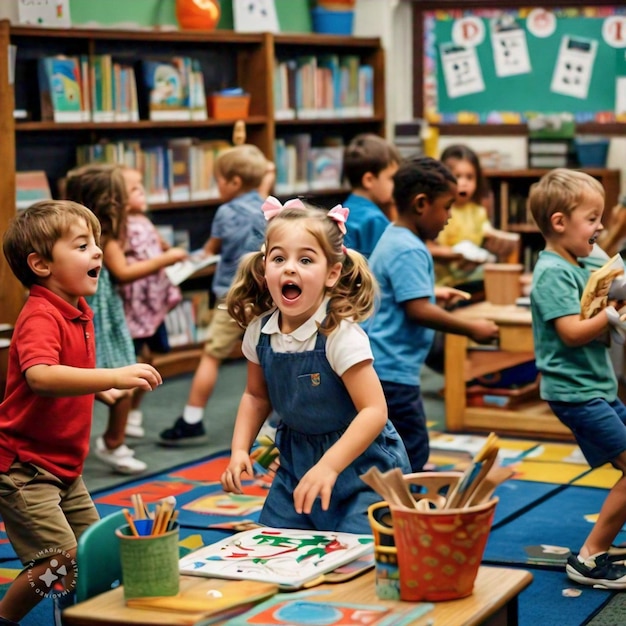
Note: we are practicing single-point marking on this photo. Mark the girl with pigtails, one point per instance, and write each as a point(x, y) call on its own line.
point(301, 299)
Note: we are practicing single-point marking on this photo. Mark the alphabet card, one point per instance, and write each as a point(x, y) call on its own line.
point(44, 13)
point(510, 49)
point(574, 66)
point(461, 70)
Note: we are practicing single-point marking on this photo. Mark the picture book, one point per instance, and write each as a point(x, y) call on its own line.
point(166, 87)
point(60, 89)
point(287, 557)
point(312, 608)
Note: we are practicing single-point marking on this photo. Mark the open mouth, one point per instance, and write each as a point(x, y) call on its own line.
point(592, 240)
point(291, 291)
point(93, 272)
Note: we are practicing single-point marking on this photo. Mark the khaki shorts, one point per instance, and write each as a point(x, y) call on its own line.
point(41, 514)
point(224, 333)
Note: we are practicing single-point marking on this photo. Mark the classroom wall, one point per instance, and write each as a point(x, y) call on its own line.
point(392, 20)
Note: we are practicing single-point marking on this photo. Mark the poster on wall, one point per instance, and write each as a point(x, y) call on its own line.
point(510, 50)
point(461, 70)
point(54, 13)
point(574, 66)
point(255, 16)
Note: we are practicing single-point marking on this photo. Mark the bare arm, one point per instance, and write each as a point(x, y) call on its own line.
point(367, 395)
point(574, 331)
point(213, 246)
point(427, 314)
point(124, 272)
point(253, 410)
point(62, 380)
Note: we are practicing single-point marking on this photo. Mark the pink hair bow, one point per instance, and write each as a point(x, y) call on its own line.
point(339, 214)
point(272, 206)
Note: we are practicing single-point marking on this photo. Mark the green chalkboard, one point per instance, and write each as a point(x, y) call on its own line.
point(516, 68)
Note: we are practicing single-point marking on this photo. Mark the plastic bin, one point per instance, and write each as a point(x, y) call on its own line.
point(332, 22)
point(591, 151)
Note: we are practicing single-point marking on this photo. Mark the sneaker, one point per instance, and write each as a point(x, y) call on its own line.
point(133, 425)
point(599, 570)
point(121, 459)
point(135, 430)
point(183, 434)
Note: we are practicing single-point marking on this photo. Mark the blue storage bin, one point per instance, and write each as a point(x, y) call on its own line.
point(591, 151)
point(332, 22)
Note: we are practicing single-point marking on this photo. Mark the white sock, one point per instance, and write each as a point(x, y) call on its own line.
point(193, 414)
point(135, 417)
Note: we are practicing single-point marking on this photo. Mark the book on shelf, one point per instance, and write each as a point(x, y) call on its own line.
point(197, 260)
point(179, 156)
point(287, 557)
point(60, 90)
point(325, 167)
point(197, 92)
point(166, 86)
point(30, 187)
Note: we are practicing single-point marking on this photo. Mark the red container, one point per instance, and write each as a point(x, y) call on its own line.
point(439, 551)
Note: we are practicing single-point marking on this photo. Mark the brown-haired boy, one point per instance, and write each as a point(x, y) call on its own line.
point(369, 163)
point(577, 379)
point(45, 418)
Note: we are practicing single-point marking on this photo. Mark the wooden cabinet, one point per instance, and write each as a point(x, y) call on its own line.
point(510, 189)
point(227, 59)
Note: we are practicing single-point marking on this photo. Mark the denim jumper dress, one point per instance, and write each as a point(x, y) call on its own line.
point(316, 409)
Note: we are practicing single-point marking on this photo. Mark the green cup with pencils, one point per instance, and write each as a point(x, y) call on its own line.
point(149, 556)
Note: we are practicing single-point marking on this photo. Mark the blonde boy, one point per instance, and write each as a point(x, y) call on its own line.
point(45, 419)
point(577, 378)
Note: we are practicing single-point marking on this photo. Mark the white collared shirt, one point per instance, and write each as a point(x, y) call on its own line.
point(346, 346)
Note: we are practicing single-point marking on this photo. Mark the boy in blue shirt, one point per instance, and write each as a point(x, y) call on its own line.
point(238, 228)
point(577, 378)
point(369, 163)
point(403, 327)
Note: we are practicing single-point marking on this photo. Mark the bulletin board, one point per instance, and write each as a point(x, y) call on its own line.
point(503, 65)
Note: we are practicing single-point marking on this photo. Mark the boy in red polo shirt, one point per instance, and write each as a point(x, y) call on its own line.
point(45, 419)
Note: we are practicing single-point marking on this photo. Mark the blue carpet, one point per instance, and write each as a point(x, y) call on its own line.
point(517, 495)
point(543, 601)
point(559, 521)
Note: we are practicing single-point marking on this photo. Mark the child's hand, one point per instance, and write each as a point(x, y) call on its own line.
point(112, 396)
point(450, 295)
point(231, 478)
point(139, 375)
point(174, 255)
point(318, 481)
point(484, 331)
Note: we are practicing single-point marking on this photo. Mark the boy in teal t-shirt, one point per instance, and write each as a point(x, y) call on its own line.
point(577, 377)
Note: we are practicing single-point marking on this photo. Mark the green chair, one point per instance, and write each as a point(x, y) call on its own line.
point(98, 557)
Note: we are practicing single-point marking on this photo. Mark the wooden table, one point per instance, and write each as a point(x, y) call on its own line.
point(462, 364)
point(494, 602)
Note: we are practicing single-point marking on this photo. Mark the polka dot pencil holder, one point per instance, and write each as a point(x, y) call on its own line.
point(439, 550)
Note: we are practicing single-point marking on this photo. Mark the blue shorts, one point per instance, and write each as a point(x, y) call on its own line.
point(598, 426)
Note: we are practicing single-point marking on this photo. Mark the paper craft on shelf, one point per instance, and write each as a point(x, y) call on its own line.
point(182, 270)
point(288, 557)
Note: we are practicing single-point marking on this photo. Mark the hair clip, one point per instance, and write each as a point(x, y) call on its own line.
point(272, 206)
point(339, 214)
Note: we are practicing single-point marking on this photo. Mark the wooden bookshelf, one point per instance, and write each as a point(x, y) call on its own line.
point(227, 59)
point(510, 189)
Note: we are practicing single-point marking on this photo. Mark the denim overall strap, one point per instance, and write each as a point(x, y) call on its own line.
point(304, 390)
